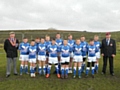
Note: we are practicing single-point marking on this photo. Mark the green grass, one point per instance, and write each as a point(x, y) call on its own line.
point(100, 82)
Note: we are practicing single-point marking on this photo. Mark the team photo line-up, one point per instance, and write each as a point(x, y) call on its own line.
point(67, 55)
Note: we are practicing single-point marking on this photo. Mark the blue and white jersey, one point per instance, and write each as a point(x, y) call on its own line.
point(53, 50)
point(32, 52)
point(91, 50)
point(23, 47)
point(48, 43)
point(98, 45)
point(78, 50)
point(84, 44)
point(65, 51)
point(41, 49)
point(71, 44)
point(59, 42)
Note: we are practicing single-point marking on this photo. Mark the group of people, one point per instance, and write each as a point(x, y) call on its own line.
point(67, 55)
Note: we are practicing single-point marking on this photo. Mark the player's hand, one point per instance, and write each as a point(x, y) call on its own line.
point(113, 55)
point(102, 54)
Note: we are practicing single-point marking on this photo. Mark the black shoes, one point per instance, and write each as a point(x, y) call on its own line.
point(8, 75)
point(16, 74)
point(112, 74)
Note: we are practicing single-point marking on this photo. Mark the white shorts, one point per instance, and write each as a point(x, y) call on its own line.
point(41, 58)
point(65, 59)
point(71, 54)
point(78, 59)
point(32, 60)
point(84, 56)
point(24, 57)
point(91, 59)
point(98, 55)
point(53, 60)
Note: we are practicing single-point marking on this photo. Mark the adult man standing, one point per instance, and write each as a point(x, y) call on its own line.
point(10, 47)
point(108, 50)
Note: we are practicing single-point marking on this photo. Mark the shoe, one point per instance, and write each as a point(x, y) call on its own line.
point(27, 72)
point(62, 76)
point(70, 71)
point(48, 75)
point(33, 74)
point(8, 75)
point(79, 77)
point(96, 71)
point(93, 76)
point(74, 76)
point(20, 74)
point(112, 74)
point(66, 76)
point(58, 75)
point(16, 74)
point(86, 76)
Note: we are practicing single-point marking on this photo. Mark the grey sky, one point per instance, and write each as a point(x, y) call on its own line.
point(90, 15)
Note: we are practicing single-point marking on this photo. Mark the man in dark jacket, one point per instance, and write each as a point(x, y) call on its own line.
point(10, 47)
point(108, 50)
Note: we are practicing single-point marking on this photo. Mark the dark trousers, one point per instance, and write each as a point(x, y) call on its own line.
point(105, 58)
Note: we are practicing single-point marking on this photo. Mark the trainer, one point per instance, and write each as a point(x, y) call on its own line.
point(10, 47)
point(108, 50)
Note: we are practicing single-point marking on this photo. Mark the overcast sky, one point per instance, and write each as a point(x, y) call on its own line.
point(90, 15)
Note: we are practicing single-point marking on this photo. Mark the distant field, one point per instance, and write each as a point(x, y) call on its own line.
point(31, 34)
point(100, 82)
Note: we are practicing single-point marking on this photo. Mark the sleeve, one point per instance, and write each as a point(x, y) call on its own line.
point(19, 48)
point(114, 48)
point(5, 45)
point(17, 43)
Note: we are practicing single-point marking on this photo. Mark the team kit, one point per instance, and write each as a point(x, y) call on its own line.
point(66, 55)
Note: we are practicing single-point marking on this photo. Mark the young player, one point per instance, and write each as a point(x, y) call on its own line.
point(32, 57)
point(91, 57)
point(42, 56)
point(37, 41)
point(59, 42)
point(84, 53)
point(48, 43)
point(53, 53)
point(71, 43)
point(78, 59)
point(65, 59)
point(98, 45)
point(23, 47)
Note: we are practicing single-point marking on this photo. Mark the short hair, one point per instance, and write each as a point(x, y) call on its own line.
point(37, 38)
point(91, 40)
point(53, 39)
point(82, 36)
point(12, 33)
point(57, 33)
point(47, 36)
point(42, 38)
point(32, 40)
point(96, 36)
point(77, 39)
point(69, 35)
point(25, 38)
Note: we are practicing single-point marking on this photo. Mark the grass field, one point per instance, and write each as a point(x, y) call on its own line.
point(100, 82)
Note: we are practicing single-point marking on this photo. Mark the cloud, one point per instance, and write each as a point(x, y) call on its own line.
point(90, 15)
